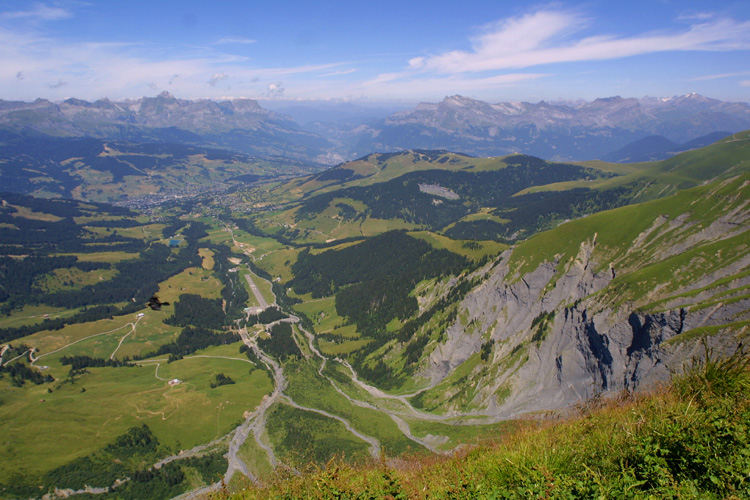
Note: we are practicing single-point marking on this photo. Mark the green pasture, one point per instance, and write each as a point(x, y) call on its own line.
point(28, 213)
point(208, 258)
point(108, 257)
point(308, 389)
point(195, 280)
point(32, 314)
point(219, 235)
point(71, 278)
point(256, 246)
point(43, 430)
point(101, 338)
point(302, 437)
point(322, 312)
point(474, 250)
point(341, 347)
point(255, 458)
point(279, 262)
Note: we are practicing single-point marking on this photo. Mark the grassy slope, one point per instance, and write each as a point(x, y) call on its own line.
point(686, 440)
point(636, 240)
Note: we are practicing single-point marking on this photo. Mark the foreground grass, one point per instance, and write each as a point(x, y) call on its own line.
point(687, 440)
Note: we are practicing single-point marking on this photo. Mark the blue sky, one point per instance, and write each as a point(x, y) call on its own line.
point(402, 50)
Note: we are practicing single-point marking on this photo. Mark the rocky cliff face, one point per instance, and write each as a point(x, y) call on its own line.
point(582, 346)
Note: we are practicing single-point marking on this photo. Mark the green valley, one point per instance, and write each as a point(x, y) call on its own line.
point(401, 305)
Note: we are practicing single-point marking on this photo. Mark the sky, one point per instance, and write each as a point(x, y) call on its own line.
point(385, 51)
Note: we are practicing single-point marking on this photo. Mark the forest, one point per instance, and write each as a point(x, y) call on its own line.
point(372, 280)
point(401, 198)
point(135, 281)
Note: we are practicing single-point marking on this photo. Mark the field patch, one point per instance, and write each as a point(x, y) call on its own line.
point(43, 429)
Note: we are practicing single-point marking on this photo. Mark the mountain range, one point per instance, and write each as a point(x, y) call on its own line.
point(554, 131)
point(561, 131)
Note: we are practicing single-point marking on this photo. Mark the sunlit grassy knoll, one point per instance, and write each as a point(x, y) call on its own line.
point(279, 262)
point(683, 440)
point(220, 235)
point(193, 280)
point(373, 227)
point(28, 213)
point(31, 315)
point(563, 186)
point(615, 168)
point(71, 278)
point(474, 250)
point(256, 245)
point(101, 339)
point(108, 257)
point(485, 214)
point(150, 334)
point(340, 338)
point(114, 219)
point(44, 430)
point(208, 258)
point(316, 251)
point(341, 347)
point(322, 312)
point(98, 336)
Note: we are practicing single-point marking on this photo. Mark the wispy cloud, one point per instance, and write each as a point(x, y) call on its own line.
point(421, 86)
point(236, 41)
point(58, 84)
point(719, 76)
point(39, 12)
point(547, 37)
point(337, 73)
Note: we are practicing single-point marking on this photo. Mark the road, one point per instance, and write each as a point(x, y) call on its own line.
point(262, 302)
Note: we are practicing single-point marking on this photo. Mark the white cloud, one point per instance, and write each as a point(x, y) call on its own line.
point(337, 73)
point(39, 12)
point(719, 76)
point(235, 41)
point(216, 78)
point(545, 37)
point(275, 90)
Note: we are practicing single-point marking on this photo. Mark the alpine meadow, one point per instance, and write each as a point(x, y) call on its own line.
point(319, 262)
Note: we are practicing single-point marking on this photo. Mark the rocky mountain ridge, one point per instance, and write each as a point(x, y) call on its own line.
point(239, 124)
point(577, 130)
point(559, 131)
